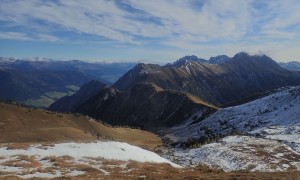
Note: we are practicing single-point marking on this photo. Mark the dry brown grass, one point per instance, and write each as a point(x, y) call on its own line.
point(136, 170)
point(199, 101)
point(23, 146)
point(23, 125)
point(24, 162)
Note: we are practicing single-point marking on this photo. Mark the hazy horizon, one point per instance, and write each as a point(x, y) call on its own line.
point(149, 31)
point(133, 61)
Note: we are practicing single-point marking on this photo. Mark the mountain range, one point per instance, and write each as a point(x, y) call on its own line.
point(39, 88)
point(237, 113)
point(104, 72)
point(145, 105)
point(292, 66)
point(40, 82)
point(152, 96)
point(237, 79)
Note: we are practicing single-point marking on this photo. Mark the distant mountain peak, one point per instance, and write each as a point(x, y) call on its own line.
point(10, 59)
point(185, 59)
point(218, 59)
point(240, 55)
point(189, 57)
point(292, 65)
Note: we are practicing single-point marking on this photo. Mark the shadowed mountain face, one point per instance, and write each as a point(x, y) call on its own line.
point(145, 105)
point(71, 103)
point(235, 79)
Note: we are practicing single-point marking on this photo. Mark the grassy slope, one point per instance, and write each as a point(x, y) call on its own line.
point(24, 125)
point(191, 97)
point(136, 170)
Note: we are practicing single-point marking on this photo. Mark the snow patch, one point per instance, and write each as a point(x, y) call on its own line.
point(75, 153)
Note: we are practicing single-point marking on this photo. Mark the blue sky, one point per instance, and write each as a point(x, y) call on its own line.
point(156, 31)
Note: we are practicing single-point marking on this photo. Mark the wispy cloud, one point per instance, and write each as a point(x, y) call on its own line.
point(26, 37)
point(187, 25)
point(14, 36)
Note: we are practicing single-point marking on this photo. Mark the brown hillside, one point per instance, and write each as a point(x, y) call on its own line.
point(24, 125)
point(146, 105)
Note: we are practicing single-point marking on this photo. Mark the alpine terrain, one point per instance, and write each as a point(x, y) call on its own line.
point(39, 82)
point(138, 90)
point(262, 135)
point(221, 81)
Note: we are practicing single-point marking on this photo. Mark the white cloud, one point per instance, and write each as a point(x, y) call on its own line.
point(27, 37)
point(14, 36)
point(216, 19)
point(225, 24)
point(47, 37)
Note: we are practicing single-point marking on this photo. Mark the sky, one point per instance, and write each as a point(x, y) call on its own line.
point(156, 31)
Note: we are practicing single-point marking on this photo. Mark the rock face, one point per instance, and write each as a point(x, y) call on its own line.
point(236, 79)
point(145, 105)
point(71, 103)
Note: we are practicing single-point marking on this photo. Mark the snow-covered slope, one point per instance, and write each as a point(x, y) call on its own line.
point(276, 114)
point(241, 153)
point(36, 160)
point(272, 126)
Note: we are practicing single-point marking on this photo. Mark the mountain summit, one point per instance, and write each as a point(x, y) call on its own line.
point(186, 59)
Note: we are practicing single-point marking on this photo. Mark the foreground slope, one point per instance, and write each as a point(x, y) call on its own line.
point(24, 125)
point(84, 161)
point(73, 159)
point(240, 78)
point(245, 153)
point(262, 135)
point(145, 105)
